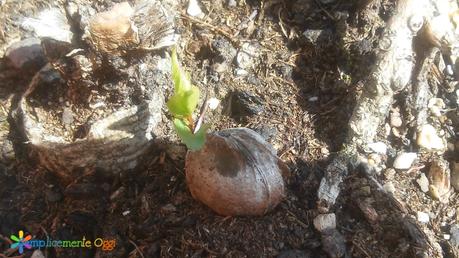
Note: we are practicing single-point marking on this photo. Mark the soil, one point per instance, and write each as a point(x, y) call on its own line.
point(301, 90)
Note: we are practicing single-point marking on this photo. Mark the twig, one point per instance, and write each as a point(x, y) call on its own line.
point(211, 27)
point(202, 113)
point(136, 248)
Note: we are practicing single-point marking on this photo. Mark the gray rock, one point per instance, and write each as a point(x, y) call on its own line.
point(333, 243)
point(243, 104)
point(454, 231)
point(325, 222)
point(26, 54)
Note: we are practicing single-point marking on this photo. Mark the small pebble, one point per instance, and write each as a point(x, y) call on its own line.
point(312, 36)
point(194, 9)
point(423, 183)
point(213, 103)
point(232, 3)
point(67, 116)
point(313, 99)
point(325, 222)
point(404, 160)
point(446, 236)
point(240, 72)
point(395, 118)
point(389, 187)
point(37, 254)
point(427, 138)
point(378, 147)
point(436, 106)
point(454, 231)
point(422, 217)
point(125, 213)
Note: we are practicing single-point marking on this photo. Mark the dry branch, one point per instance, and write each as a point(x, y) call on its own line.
point(391, 73)
point(395, 68)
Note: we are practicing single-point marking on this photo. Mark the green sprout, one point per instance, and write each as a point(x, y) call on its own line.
point(182, 105)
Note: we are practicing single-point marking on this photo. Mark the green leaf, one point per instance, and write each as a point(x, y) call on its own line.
point(184, 104)
point(192, 141)
point(186, 96)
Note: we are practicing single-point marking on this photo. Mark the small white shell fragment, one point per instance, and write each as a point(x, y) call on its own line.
point(125, 213)
point(427, 138)
point(446, 236)
point(325, 222)
point(436, 106)
point(422, 217)
point(404, 160)
point(313, 99)
point(378, 147)
point(213, 103)
point(194, 9)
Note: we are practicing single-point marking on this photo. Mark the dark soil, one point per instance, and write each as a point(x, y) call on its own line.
point(298, 94)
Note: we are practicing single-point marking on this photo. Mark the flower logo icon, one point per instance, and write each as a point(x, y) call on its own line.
point(21, 241)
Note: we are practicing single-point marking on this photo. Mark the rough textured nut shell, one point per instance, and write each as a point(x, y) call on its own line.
point(236, 173)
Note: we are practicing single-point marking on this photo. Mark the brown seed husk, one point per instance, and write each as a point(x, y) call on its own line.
point(236, 173)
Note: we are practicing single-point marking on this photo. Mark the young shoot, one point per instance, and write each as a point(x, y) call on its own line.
point(182, 104)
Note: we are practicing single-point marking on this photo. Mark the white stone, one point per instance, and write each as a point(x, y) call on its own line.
point(378, 147)
point(67, 116)
point(194, 9)
point(423, 183)
point(232, 3)
point(37, 254)
point(427, 138)
point(325, 222)
point(50, 23)
point(404, 160)
point(422, 217)
point(240, 72)
point(247, 55)
point(446, 236)
point(313, 99)
point(125, 213)
point(213, 103)
point(389, 187)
